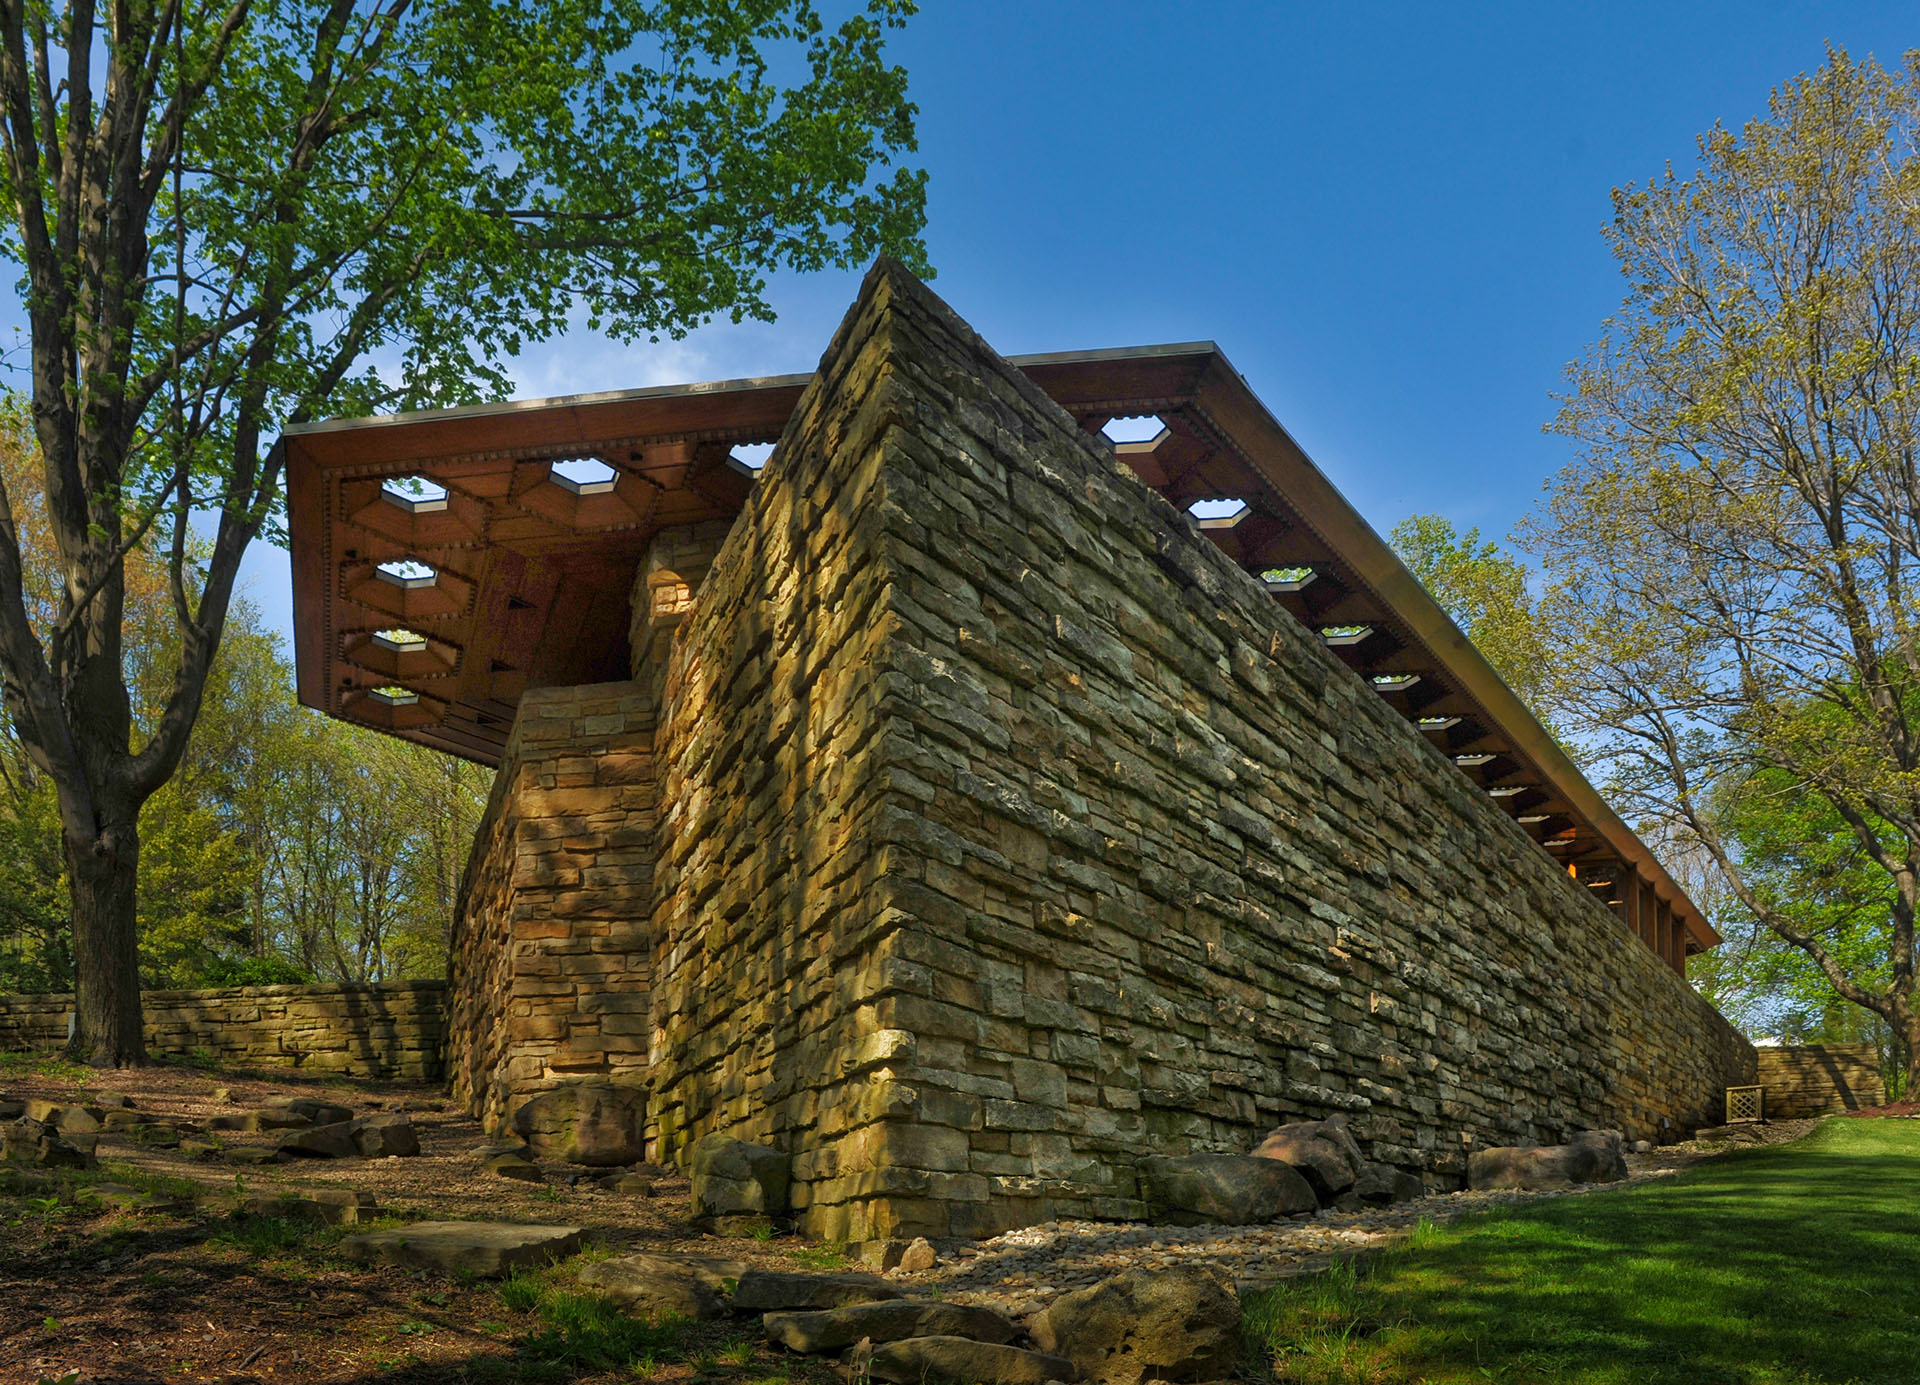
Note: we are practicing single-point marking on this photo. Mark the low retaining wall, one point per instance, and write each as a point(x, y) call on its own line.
point(1813, 1079)
point(396, 1030)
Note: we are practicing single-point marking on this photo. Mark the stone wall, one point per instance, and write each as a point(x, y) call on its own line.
point(1814, 1079)
point(549, 967)
point(1009, 832)
point(388, 1031)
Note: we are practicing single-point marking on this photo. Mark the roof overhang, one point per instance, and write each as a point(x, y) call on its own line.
point(532, 577)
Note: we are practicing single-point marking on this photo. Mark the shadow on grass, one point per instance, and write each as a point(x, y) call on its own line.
point(1780, 1266)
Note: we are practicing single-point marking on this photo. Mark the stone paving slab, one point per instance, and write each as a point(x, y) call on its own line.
point(484, 1248)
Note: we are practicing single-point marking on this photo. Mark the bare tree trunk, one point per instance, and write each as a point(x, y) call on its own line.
point(104, 875)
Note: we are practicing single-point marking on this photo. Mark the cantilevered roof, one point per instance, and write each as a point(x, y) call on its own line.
point(442, 565)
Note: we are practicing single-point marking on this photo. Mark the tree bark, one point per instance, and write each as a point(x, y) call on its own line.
point(104, 876)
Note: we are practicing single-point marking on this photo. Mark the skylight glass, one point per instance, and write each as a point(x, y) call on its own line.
point(1224, 507)
point(396, 696)
point(417, 495)
point(583, 475)
point(753, 455)
point(1471, 761)
point(1531, 817)
point(1436, 723)
point(1145, 428)
point(1345, 634)
point(1287, 579)
point(401, 641)
point(1507, 790)
point(409, 573)
point(1394, 682)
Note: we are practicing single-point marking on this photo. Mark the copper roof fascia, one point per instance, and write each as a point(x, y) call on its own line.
point(1224, 396)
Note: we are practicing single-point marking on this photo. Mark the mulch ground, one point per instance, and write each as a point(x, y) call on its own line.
point(90, 1295)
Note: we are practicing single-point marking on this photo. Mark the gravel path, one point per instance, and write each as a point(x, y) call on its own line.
point(1019, 1272)
point(1023, 1271)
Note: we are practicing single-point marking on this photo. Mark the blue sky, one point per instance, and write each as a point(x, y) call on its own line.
point(1387, 215)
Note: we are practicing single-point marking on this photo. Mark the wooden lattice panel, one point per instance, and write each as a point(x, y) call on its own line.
point(1746, 1104)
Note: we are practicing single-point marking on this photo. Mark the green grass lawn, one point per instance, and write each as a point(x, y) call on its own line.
point(1785, 1265)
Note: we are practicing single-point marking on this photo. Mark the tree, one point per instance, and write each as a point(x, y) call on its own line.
point(225, 219)
point(1484, 589)
point(1732, 552)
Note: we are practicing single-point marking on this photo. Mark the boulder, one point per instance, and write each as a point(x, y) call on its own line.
point(519, 1149)
point(769, 1291)
point(1381, 1184)
point(254, 1154)
point(28, 1141)
point(516, 1167)
point(266, 1119)
point(733, 1178)
point(488, 1249)
point(312, 1108)
point(599, 1124)
point(335, 1206)
point(120, 1118)
point(112, 1100)
point(836, 1329)
point(80, 1120)
point(651, 1286)
point(1176, 1324)
point(322, 1142)
point(631, 1184)
point(1592, 1156)
point(962, 1361)
point(12, 1110)
point(380, 1136)
point(918, 1259)
point(1323, 1152)
point(201, 1150)
point(1230, 1189)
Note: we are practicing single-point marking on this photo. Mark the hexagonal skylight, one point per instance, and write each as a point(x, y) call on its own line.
point(409, 574)
point(1224, 507)
point(583, 475)
point(394, 695)
point(417, 495)
point(401, 641)
point(1144, 428)
point(753, 455)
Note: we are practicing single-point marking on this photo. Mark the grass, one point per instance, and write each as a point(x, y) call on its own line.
point(589, 1331)
point(1791, 1265)
point(16, 1064)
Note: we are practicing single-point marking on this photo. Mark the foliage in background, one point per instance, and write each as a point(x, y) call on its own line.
point(227, 217)
point(1729, 560)
point(290, 848)
point(1484, 589)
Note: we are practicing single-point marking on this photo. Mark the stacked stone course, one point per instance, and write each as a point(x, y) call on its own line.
point(549, 964)
point(396, 1030)
point(1007, 832)
point(1815, 1079)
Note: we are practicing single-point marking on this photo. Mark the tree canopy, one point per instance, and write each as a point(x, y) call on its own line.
point(234, 218)
point(1731, 555)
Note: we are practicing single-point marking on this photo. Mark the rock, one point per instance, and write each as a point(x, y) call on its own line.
point(488, 1249)
point(767, 1291)
point(963, 1361)
point(201, 1150)
point(254, 1154)
point(514, 1167)
point(334, 1206)
point(28, 1141)
point(598, 1124)
point(381, 1136)
point(220, 1094)
point(157, 1135)
point(12, 1110)
point(119, 1118)
point(918, 1259)
point(112, 1100)
point(836, 1329)
point(322, 1142)
point(731, 1177)
point(517, 1148)
point(631, 1184)
point(1592, 1157)
point(747, 1224)
point(1324, 1153)
point(1174, 1324)
point(1231, 1189)
point(1642, 1146)
point(1381, 1184)
point(315, 1110)
point(657, 1285)
point(258, 1122)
